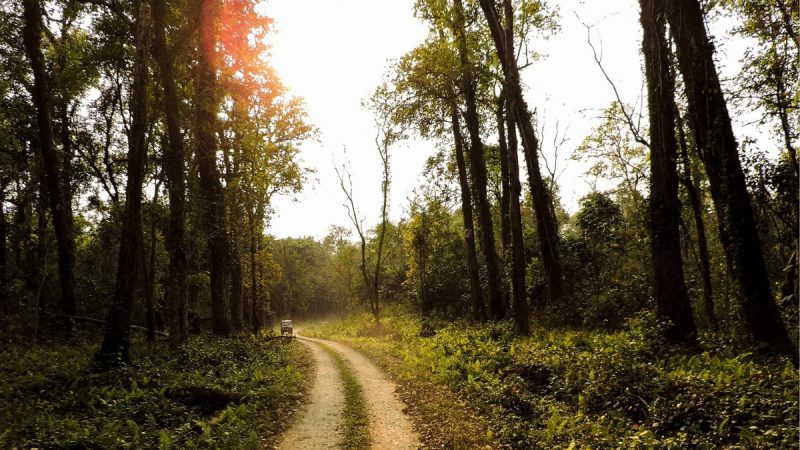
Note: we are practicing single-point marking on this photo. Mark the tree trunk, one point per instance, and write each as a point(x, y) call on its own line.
point(478, 307)
point(42, 296)
point(700, 226)
point(4, 287)
point(174, 166)
point(32, 36)
point(210, 185)
point(256, 323)
point(497, 309)
point(230, 157)
point(521, 312)
point(718, 149)
point(114, 349)
point(546, 225)
point(384, 154)
point(669, 286)
point(150, 267)
point(237, 299)
point(502, 145)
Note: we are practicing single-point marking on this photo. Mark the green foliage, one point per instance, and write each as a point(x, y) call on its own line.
point(434, 242)
point(581, 389)
point(604, 254)
point(50, 400)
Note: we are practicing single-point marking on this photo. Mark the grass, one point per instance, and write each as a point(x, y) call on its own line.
point(50, 399)
point(355, 421)
point(472, 385)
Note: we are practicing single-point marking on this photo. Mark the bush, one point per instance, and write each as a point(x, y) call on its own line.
point(561, 388)
point(51, 400)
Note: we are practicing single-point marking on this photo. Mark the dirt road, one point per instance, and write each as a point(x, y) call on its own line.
point(321, 418)
point(318, 426)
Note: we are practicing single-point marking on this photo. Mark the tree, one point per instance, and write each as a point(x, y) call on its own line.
point(478, 306)
point(114, 349)
point(174, 170)
point(426, 98)
point(515, 220)
point(32, 36)
point(385, 138)
point(695, 202)
point(497, 309)
point(546, 225)
point(207, 98)
point(713, 133)
point(669, 287)
point(4, 288)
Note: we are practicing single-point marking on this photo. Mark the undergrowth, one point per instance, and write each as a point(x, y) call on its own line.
point(210, 393)
point(578, 389)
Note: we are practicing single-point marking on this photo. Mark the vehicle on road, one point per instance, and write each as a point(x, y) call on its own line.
point(286, 328)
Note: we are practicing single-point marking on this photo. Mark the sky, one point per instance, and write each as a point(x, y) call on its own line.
point(334, 54)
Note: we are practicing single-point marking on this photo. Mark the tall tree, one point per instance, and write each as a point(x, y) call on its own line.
point(546, 225)
point(502, 153)
point(207, 105)
point(4, 287)
point(695, 202)
point(497, 309)
point(669, 287)
point(713, 132)
point(116, 343)
point(32, 36)
point(174, 169)
point(478, 306)
point(515, 221)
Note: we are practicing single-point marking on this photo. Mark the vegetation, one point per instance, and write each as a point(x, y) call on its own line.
point(142, 145)
point(477, 384)
point(210, 393)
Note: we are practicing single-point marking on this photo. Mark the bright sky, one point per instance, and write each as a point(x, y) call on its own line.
point(334, 53)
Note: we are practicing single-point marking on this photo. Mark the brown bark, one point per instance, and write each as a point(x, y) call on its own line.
point(210, 186)
point(32, 36)
point(116, 343)
point(700, 226)
point(497, 309)
point(713, 132)
point(478, 307)
point(502, 145)
point(505, 221)
point(521, 312)
point(546, 225)
point(669, 286)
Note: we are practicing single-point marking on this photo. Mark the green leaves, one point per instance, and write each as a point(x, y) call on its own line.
point(566, 389)
point(134, 407)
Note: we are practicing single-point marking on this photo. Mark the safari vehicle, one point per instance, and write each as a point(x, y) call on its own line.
point(286, 328)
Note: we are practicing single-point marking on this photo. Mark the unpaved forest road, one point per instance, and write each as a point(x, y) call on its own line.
point(319, 424)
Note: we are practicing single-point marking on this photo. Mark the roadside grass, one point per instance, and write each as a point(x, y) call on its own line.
point(355, 420)
point(210, 393)
point(471, 385)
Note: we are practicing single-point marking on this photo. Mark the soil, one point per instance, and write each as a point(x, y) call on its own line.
point(320, 417)
point(390, 427)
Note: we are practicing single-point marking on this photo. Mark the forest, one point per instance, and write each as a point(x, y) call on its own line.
point(143, 145)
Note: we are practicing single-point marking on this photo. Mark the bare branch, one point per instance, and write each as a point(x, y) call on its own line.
point(598, 59)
